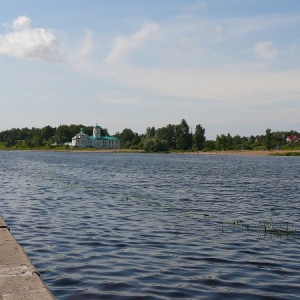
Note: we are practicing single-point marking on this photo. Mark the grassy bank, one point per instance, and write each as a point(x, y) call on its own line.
point(283, 152)
point(286, 154)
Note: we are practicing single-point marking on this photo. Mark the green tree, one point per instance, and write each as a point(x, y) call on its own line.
point(89, 130)
point(150, 132)
point(126, 138)
point(251, 141)
point(136, 142)
point(47, 133)
point(268, 139)
point(74, 129)
point(210, 145)
point(168, 135)
point(278, 139)
point(10, 142)
point(229, 139)
point(199, 138)
point(221, 142)
point(37, 141)
point(29, 143)
point(23, 134)
point(104, 132)
point(183, 136)
point(236, 142)
point(155, 145)
point(63, 134)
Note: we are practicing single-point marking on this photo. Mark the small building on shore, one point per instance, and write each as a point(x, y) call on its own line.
point(293, 139)
point(82, 140)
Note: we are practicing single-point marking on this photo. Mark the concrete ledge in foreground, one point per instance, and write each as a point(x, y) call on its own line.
point(18, 277)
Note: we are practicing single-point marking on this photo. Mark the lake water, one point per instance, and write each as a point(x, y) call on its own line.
point(161, 226)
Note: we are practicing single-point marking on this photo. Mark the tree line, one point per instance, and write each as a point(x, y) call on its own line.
point(171, 137)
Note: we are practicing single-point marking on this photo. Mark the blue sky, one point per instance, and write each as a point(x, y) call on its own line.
point(232, 66)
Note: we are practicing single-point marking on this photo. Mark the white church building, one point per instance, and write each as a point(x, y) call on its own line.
point(95, 141)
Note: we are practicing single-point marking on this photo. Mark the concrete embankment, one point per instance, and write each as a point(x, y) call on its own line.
point(18, 277)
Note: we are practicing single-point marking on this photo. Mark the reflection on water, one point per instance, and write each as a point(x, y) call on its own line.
point(137, 226)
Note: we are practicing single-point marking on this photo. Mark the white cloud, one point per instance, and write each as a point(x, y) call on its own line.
point(196, 70)
point(219, 31)
point(120, 99)
point(22, 22)
point(85, 47)
point(236, 84)
point(23, 41)
point(266, 50)
point(124, 44)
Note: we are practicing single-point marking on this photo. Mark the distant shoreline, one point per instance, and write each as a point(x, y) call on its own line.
point(249, 152)
point(212, 153)
point(219, 153)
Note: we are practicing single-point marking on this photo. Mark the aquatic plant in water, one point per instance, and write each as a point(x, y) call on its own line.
point(267, 227)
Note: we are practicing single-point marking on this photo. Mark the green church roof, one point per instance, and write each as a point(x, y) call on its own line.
point(105, 138)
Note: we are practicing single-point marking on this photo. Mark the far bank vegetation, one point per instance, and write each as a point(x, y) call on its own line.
point(172, 137)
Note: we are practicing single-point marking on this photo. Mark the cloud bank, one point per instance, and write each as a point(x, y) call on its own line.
point(266, 50)
point(126, 44)
point(23, 41)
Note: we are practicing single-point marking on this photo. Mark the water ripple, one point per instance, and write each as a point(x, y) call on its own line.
point(123, 226)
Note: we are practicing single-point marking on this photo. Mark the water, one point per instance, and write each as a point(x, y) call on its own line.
point(140, 226)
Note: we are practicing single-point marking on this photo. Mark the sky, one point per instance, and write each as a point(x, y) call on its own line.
point(232, 66)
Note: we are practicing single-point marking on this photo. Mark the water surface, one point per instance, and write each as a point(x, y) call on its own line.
point(143, 226)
